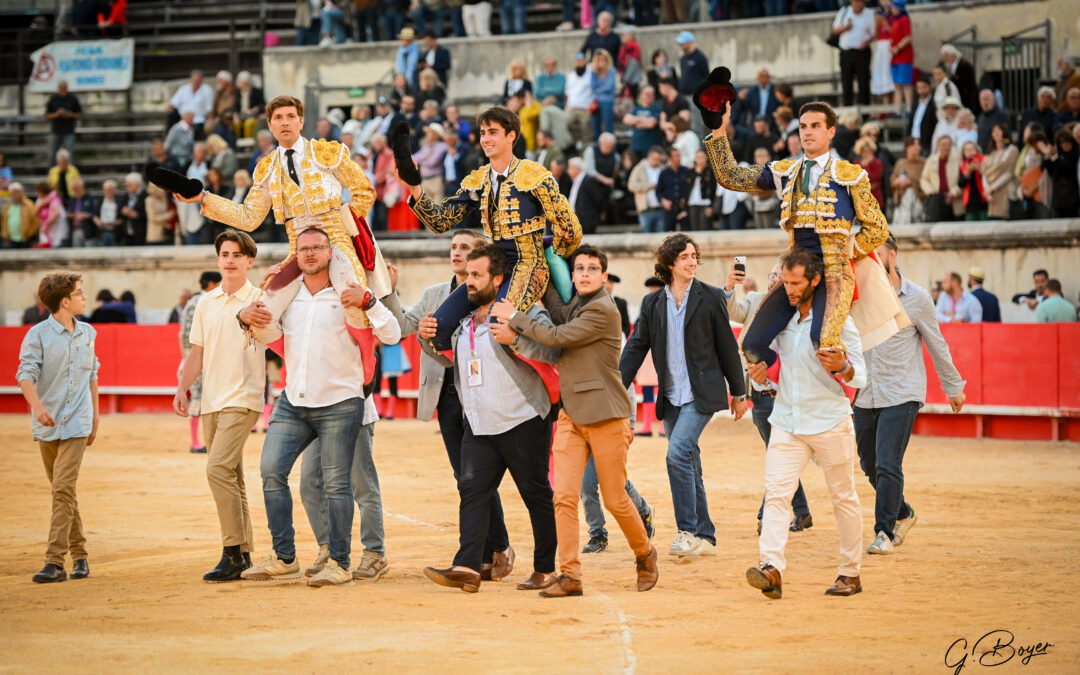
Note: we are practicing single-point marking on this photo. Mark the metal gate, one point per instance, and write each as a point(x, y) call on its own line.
point(1025, 62)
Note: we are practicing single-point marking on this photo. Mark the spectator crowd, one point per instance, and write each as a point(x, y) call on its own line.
point(616, 127)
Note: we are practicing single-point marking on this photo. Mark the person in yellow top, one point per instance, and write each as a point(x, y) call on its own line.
point(303, 182)
point(826, 208)
point(63, 174)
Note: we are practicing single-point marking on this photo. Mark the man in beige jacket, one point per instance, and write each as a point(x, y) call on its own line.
point(943, 201)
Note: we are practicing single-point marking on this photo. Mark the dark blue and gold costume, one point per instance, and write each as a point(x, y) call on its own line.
point(838, 219)
point(527, 199)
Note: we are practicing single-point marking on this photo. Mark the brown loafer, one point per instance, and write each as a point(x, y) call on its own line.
point(485, 572)
point(466, 581)
point(767, 580)
point(845, 586)
point(799, 524)
point(537, 581)
point(503, 564)
point(647, 572)
point(565, 586)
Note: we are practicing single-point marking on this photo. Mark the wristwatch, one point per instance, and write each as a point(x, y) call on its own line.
point(739, 398)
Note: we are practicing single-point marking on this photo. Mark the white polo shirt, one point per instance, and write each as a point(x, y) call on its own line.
point(233, 373)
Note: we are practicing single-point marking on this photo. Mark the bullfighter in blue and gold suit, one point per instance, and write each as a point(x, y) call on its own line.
point(515, 206)
point(834, 216)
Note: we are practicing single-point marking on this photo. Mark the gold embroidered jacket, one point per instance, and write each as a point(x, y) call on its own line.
point(527, 200)
point(326, 169)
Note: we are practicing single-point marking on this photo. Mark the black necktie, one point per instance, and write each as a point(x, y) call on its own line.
point(292, 167)
point(493, 206)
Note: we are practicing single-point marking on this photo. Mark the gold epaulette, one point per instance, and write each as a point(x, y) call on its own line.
point(475, 180)
point(783, 167)
point(846, 173)
point(263, 168)
point(529, 174)
point(326, 153)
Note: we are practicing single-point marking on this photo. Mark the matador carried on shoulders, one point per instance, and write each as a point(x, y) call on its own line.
point(827, 208)
point(517, 198)
point(303, 181)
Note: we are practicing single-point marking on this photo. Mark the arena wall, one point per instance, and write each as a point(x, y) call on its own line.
point(1007, 251)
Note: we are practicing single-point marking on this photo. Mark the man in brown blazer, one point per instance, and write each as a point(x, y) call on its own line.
point(595, 414)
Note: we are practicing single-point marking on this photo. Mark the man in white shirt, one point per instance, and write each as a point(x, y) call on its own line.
point(811, 417)
point(233, 375)
point(579, 96)
point(856, 28)
point(196, 95)
point(323, 399)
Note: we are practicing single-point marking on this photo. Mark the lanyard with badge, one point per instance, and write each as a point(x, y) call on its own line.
point(475, 376)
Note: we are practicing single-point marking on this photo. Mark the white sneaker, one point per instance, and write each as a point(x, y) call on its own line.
point(326, 41)
point(371, 567)
point(320, 561)
point(332, 575)
point(685, 544)
point(882, 544)
point(272, 569)
point(705, 547)
point(902, 527)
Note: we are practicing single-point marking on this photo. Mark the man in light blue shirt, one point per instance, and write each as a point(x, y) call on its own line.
point(811, 418)
point(58, 378)
point(955, 305)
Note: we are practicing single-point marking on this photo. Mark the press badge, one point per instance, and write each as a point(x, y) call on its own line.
point(475, 377)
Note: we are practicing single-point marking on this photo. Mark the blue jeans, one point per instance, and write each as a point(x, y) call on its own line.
point(683, 426)
point(107, 238)
point(651, 220)
point(569, 11)
point(393, 21)
point(457, 22)
point(604, 119)
point(882, 436)
point(309, 35)
point(365, 486)
point(590, 499)
point(291, 430)
point(366, 25)
point(763, 407)
point(720, 9)
point(428, 20)
point(333, 22)
point(512, 16)
point(775, 7)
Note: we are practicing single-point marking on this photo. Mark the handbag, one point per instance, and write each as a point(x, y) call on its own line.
point(833, 40)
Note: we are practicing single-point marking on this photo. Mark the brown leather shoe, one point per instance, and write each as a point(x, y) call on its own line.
point(766, 579)
point(565, 586)
point(485, 572)
point(537, 581)
point(647, 572)
point(845, 586)
point(466, 581)
point(503, 564)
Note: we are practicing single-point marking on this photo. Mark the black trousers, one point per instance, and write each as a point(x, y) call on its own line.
point(452, 428)
point(855, 64)
point(524, 451)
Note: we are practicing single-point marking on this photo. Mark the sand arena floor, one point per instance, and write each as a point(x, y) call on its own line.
point(995, 549)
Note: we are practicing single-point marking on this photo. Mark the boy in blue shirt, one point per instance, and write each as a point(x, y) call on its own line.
point(58, 377)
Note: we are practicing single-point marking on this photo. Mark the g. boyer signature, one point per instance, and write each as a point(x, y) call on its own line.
point(995, 648)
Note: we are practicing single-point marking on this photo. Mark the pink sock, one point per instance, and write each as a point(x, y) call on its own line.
point(193, 423)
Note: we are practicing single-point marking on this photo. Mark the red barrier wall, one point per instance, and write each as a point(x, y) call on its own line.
point(1032, 368)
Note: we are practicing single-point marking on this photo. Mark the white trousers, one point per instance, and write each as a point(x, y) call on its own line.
point(784, 463)
point(477, 19)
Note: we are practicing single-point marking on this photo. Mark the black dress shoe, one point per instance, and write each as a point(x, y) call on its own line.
point(800, 523)
point(228, 568)
point(50, 574)
point(80, 570)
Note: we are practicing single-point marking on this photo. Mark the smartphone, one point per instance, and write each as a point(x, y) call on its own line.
point(740, 263)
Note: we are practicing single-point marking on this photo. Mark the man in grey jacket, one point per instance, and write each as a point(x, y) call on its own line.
point(506, 404)
point(438, 394)
point(886, 407)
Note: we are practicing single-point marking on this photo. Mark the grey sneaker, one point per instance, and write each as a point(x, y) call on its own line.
point(647, 520)
point(902, 527)
point(882, 544)
point(595, 545)
point(320, 561)
point(371, 567)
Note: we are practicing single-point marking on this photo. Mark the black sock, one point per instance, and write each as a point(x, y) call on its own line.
point(287, 561)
